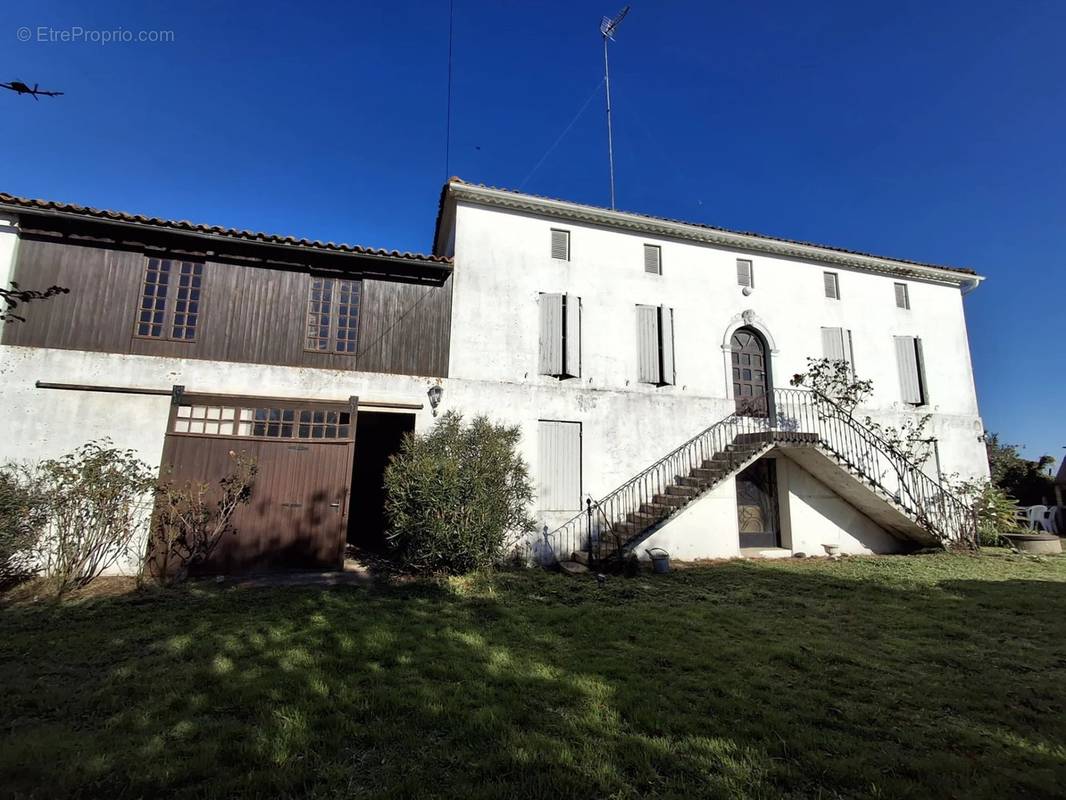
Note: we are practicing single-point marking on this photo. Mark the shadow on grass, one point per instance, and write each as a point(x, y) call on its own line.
point(736, 680)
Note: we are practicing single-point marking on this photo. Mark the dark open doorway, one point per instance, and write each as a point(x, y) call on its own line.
point(757, 513)
point(378, 436)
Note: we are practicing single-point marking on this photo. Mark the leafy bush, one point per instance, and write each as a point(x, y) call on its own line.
point(995, 511)
point(457, 497)
point(99, 501)
point(191, 519)
point(23, 514)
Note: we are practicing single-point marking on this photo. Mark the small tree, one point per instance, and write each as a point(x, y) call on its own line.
point(99, 501)
point(834, 380)
point(458, 496)
point(191, 519)
point(24, 507)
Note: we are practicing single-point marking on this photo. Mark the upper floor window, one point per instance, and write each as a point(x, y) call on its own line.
point(170, 299)
point(745, 273)
point(832, 285)
point(836, 346)
point(655, 345)
point(560, 244)
point(911, 366)
point(653, 259)
point(903, 298)
point(560, 335)
point(332, 316)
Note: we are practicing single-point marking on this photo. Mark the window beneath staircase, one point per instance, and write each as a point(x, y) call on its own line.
point(757, 515)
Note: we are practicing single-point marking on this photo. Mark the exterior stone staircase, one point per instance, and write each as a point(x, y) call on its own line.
point(899, 494)
point(745, 449)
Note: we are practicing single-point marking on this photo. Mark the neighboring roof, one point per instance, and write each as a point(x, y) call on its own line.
point(14, 203)
point(456, 185)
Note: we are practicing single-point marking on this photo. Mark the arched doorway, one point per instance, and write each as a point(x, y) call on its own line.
point(751, 373)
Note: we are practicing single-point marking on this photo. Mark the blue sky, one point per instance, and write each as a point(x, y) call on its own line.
point(932, 131)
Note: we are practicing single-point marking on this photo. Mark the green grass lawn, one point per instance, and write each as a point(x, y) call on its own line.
point(931, 676)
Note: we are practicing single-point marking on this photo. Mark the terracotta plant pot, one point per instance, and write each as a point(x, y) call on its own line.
point(1043, 544)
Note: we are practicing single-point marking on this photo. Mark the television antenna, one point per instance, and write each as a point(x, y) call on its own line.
point(608, 26)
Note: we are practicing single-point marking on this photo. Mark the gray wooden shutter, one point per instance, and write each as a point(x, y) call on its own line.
point(833, 344)
point(560, 244)
point(745, 275)
point(832, 285)
point(666, 330)
point(910, 383)
point(849, 351)
point(902, 298)
point(559, 478)
point(648, 344)
point(572, 360)
point(653, 263)
point(551, 334)
point(923, 386)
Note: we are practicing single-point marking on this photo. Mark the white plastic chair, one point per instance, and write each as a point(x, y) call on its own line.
point(1051, 520)
point(1037, 517)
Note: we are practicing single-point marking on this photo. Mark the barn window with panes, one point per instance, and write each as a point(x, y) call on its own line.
point(170, 300)
point(333, 316)
point(268, 423)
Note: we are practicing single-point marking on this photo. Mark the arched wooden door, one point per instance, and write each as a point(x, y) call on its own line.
point(751, 384)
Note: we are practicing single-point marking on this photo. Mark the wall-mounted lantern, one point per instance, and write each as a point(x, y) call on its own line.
point(435, 393)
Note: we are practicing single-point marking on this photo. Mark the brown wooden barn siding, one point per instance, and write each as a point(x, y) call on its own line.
point(248, 314)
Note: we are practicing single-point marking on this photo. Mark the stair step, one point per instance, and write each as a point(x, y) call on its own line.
point(680, 490)
point(644, 520)
point(672, 500)
point(627, 530)
point(657, 510)
point(693, 483)
point(709, 474)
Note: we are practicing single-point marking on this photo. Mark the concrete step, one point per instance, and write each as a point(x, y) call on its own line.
point(672, 500)
point(657, 510)
point(693, 483)
point(680, 490)
point(643, 520)
point(709, 474)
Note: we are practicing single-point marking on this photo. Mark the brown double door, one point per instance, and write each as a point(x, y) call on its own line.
point(750, 374)
point(297, 516)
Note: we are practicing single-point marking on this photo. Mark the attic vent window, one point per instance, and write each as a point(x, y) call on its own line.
point(653, 259)
point(903, 298)
point(745, 275)
point(832, 285)
point(560, 244)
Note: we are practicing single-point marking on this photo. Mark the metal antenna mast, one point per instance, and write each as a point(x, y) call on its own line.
point(607, 27)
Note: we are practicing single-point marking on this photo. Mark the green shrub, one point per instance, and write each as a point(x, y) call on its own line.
point(458, 496)
point(99, 509)
point(24, 511)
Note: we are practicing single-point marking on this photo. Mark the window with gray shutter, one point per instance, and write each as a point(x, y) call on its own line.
point(559, 462)
point(911, 377)
point(903, 299)
point(832, 285)
point(745, 275)
point(560, 244)
point(655, 345)
point(653, 259)
point(560, 335)
point(836, 346)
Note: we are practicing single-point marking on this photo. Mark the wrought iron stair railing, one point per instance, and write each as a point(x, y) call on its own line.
point(788, 416)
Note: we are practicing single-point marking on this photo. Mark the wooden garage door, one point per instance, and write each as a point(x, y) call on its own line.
point(297, 517)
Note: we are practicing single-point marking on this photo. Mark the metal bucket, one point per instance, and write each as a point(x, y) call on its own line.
point(660, 560)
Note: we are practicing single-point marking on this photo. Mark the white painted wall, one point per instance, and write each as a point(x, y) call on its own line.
point(707, 528)
point(813, 515)
point(503, 262)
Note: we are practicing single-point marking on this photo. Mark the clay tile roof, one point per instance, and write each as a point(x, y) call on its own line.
point(963, 270)
point(215, 230)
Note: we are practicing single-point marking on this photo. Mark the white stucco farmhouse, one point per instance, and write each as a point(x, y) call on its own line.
point(646, 360)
